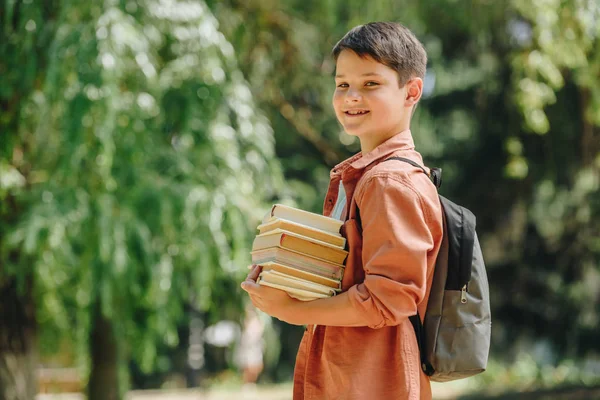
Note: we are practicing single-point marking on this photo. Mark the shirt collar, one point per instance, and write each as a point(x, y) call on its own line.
point(400, 141)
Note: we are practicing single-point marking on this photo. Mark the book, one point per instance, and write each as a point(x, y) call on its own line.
point(298, 261)
point(304, 230)
point(296, 283)
point(295, 292)
point(299, 294)
point(298, 273)
point(308, 218)
point(301, 244)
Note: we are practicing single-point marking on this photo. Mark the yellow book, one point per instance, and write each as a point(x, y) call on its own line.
point(304, 291)
point(298, 261)
point(299, 294)
point(304, 230)
point(301, 244)
point(314, 220)
point(296, 283)
point(297, 273)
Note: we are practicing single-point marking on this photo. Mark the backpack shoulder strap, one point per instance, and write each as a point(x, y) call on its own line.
point(417, 323)
point(436, 173)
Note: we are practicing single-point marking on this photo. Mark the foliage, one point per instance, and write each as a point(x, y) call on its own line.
point(497, 72)
point(139, 164)
point(555, 37)
point(134, 151)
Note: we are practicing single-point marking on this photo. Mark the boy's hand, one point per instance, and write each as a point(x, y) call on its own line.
point(274, 302)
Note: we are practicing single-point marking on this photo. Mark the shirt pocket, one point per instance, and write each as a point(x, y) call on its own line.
point(354, 272)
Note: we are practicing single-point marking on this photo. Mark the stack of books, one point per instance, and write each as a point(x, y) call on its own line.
point(300, 252)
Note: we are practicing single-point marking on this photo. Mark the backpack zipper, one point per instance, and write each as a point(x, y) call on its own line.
point(463, 295)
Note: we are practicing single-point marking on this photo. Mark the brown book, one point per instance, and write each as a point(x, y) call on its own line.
point(299, 261)
point(301, 274)
point(301, 244)
point(304, 230)
point(314, 220)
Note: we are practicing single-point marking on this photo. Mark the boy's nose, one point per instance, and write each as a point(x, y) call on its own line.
point(352, 96)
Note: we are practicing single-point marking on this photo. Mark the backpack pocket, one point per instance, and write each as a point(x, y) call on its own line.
point(461, 239)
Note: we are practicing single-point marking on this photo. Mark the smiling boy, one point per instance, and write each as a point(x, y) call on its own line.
point(360, 344)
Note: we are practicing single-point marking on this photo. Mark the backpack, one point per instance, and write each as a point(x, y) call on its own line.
point(454, 338)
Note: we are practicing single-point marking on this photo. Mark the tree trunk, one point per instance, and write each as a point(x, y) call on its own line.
point(104, 376)
point(18, 356)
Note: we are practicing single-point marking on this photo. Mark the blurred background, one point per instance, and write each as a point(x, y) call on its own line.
point(142, 141)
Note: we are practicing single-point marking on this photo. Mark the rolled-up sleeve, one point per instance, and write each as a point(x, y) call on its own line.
point(396, 240)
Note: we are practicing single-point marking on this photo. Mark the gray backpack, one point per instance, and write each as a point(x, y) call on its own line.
point(454, 339)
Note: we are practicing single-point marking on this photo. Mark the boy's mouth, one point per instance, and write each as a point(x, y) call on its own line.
point(354, 113)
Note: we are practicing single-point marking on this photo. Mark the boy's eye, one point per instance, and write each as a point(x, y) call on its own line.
point(370, 83)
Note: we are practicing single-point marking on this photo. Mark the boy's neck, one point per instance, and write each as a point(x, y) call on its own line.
point(369, 143)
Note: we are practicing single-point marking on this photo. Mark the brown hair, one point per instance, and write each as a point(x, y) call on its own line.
point(388, 43)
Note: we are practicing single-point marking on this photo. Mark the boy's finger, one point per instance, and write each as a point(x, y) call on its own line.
point(250, 286)
point(253, 275)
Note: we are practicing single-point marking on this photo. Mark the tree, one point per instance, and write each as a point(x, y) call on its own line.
point(20, 74)
point(549, 241)
point(510, 112)
point(141, 165)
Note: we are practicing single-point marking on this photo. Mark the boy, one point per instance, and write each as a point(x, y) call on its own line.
point(360, 344)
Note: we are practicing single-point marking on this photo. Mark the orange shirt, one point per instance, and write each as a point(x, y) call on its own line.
point(388, 276)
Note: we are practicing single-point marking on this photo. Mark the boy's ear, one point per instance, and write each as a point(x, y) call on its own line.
point(414, 90)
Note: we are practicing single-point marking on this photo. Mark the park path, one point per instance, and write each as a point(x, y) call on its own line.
point(275, 392)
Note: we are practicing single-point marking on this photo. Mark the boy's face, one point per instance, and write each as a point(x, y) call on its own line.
point(368, 100)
